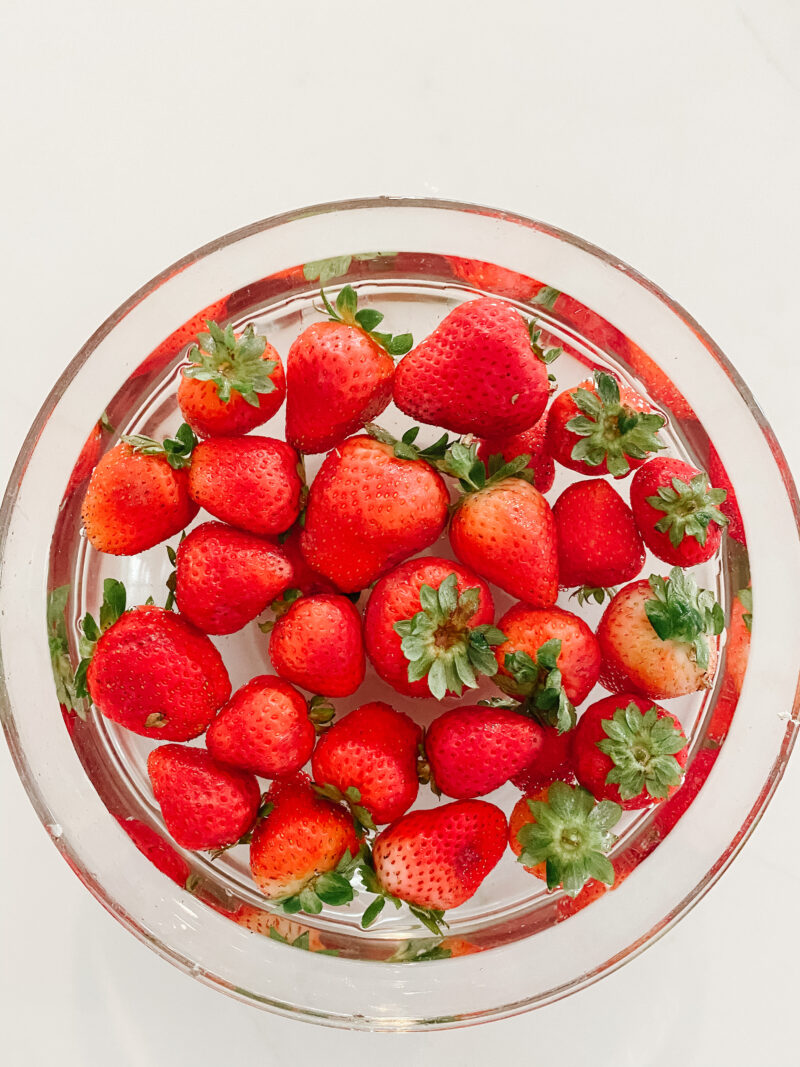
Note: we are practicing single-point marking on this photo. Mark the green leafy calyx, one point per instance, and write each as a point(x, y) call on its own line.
point(642, 747)
point(331, 887)
point(539, 682)
point(405, 447)
point(689, 508)
point(176, 450)
point(416, 950)
point(352, 797)
point(60, 659)
point(439, 643)
point(597, 593)
point(302, 941)
point(461, 461)
point(431, 918)
point(679, 611)
point(609, 430)
point(571, 836)
point(111, 609)
point(546, 355)
point(234, 365)
point(746, 598)
point(366, 319)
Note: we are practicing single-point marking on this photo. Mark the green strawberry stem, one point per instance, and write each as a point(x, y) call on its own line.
point(352, 797)
point(539, 682)
point(597, 593)
point(439, 643)
point(176, 450)
point(405, 446)
point(571, 836)
point(609, 429)
point(642, 747)
point(113, 606)
point(689, 508)
point(365, 319)
point(431, 918)
point(172, 578)
point(461, 462)
point(279, 607)
point(746, 598)
point(58, 641)
point(680, 611)
point(546, 355)
point(234, 365)
point(321, 713)
point(331, 887)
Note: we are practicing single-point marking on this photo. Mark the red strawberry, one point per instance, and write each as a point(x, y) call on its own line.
point(596, 428)
point(368, 510)
point(305, 579)
point(591, 326)
point(436, 859)
point(498, 280)
point(370, 759)
point(481, 371)
point(150, 670)
point(265, 728)
point(298, 845)
point(657, 383)
point(317, 644)
point(528, 631)
point(552, 761)
point(474, 750)
point(430, 618)
point(226, 577)
point(255, 483)
point(532, 442)
point(730, 506)
point(598, 543)
point(186, 334)
point(657, 637)
point(138, 494)
point(156, 849)
point(504, 529)
point(205, 804)
point(233, 383)
point(738, 649)
point(629, 750)
point(89, 455)
point(676, 511)
point(340, 375)
point(561, 835)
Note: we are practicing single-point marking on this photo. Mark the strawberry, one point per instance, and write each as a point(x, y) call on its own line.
point(226, 577)
point(532, 442)
point(369, 758)
point(339, 375)
point(88, 456)
point(738, 648)
point(266, 728)
point(481, 371)
point(427, 628)
point(473, 750)
point(233, 382)
point(586, 322)
point(205, 804)
point(561, 835)
point(657, 383)
point(729, 506)
point(301, 848)
point(657, 637)
point(368, 509)
point(435, 859)
point(254, 483)
point(596, 428)
point(599, 545)
point(500, 281)
point(138, 494)
point(677, 512)
point(163, 354)
point(317, 643)
point(503, 528)
point(306, 579)
point(629, 750)
point(155, 848)
point(149, 670)
point(552, 761)
point(523, 671)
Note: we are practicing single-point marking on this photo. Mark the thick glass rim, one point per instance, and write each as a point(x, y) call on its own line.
point(36, 794)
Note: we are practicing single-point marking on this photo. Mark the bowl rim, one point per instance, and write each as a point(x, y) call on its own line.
point(19, 757)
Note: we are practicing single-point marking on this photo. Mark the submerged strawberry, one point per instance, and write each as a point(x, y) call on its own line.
point(481, 371)
point(427, 628)
point(138, 494)
point(629, 750)
point(598, 428)
point(317, 643)
point(339, 374)
point(232, 383)
point(205, 804)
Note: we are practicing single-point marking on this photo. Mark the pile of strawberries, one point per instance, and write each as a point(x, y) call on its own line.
point(338, 563)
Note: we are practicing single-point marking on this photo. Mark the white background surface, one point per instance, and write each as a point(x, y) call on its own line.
point(666, 133)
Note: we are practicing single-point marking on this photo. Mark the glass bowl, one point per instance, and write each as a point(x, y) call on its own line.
point(513, 946)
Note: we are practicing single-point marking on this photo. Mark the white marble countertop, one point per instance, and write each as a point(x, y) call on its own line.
point(668, 134)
